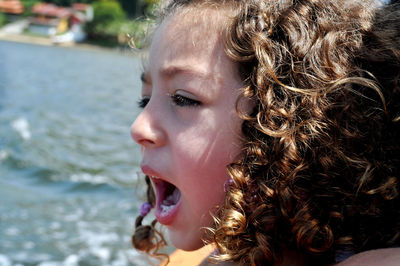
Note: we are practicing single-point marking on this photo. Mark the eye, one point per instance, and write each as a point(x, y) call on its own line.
point(181, 100)
point(143, 102)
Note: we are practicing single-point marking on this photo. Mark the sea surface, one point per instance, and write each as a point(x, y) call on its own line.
point(69, 185)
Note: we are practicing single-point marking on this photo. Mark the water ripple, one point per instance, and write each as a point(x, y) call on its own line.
point(67, 164)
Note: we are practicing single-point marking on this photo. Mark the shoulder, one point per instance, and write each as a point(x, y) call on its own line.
point(383, 257)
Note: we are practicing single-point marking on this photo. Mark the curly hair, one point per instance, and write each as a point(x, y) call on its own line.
point(319, 173)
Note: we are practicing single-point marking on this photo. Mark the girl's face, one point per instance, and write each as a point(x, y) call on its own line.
point(188, 130)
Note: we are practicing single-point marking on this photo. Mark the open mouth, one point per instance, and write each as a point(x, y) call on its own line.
point(167, 196)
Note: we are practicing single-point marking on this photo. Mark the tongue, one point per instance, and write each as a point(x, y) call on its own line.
point(173, 198)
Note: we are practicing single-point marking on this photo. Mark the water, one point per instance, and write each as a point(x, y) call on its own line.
point(68, 168)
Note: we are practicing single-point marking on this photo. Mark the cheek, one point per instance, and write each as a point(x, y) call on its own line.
point(201, 152)
point(202, 164)
point(203, 196)
point(205, 149)
point(212, 136)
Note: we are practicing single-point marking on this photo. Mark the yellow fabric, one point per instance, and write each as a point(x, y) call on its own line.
point(184, 258)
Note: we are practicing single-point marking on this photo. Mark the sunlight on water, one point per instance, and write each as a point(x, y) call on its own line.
point(68, 168)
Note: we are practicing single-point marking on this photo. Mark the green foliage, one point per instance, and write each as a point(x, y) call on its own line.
point(109, 25)
point(151, 2)
point(150, 6)
point(132, 32)
point(133, 8)
point(138, 8)
point(28, 4)
point(106, 12)
point(3, 19)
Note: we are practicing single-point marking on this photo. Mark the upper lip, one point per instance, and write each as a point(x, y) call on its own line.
point(153, 174)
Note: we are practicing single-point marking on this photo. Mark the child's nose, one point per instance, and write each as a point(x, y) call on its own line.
point(147, 131)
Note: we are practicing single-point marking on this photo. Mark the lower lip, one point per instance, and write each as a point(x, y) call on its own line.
point(167, 218)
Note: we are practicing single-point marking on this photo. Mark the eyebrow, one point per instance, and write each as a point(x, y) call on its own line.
point(170, 72)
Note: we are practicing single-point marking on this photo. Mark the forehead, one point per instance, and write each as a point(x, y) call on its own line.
point(191, 39)
point(191, 29)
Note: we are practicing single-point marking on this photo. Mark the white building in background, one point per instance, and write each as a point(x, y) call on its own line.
point(61, 23)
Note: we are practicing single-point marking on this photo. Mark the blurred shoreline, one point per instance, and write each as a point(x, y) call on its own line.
point(43, 41)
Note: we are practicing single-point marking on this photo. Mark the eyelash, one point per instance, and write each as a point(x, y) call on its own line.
point(177, 99)
point(181, 101)
point(143, 102)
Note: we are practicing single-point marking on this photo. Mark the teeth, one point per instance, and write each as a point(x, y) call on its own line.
point(154, 177)
point(169, 203)
point(166, 209)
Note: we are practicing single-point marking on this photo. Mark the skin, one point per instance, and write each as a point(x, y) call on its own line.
point(187, 144)
point(384, 257)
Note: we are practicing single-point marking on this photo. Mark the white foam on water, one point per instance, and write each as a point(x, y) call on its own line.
point(102, 253)
point(88, 178)
point(4, 260)
point(71, 260)
point(12, 231)
point(55, 225)
point(60, 235)
point(50, 263)
point(3, 155)
point(76, 216)
point(96, 239)
point(21, 125)
point(97, 242)
point(21, 256)
point(121, 259)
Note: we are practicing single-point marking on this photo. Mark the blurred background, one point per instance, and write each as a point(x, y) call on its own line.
point(108, 23)
point(69, 86)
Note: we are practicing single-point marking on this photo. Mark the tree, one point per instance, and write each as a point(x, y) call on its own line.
point(2, 19)
point(107, 14)
point(107, 11)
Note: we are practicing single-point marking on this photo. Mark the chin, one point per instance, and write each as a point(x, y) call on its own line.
point(185, 241)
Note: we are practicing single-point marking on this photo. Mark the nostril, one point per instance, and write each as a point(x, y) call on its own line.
point(146, 142)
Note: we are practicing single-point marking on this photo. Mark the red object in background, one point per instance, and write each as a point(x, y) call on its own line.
point(14, 7)
point(51, 10)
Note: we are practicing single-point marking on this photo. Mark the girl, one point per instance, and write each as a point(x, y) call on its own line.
point(271, 129)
